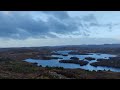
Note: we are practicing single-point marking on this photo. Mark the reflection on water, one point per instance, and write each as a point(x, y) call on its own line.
point(73, 66)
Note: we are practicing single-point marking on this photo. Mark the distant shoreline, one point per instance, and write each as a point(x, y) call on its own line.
point(83, 45)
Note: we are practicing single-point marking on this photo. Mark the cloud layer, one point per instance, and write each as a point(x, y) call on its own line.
point(22, 25)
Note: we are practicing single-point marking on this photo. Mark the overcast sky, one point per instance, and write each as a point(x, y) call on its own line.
point(51, 28)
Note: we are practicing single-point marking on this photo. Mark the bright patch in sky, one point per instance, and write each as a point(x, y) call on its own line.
point(50, 28)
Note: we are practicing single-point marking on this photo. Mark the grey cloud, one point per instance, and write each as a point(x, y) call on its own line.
point(60, 27)
point(90, 18)
point(10, 25)
point(57, 14)
point(21, 26)
point(93, 22)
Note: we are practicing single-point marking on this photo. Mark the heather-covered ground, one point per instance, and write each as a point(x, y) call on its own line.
point(12, 66)
point(22, 70)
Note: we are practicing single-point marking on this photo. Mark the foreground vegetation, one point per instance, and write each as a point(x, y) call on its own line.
point(13, 69)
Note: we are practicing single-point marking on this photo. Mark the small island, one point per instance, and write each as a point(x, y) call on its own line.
point(74, 58)
point(80, 62)
point(89, 58)
point(50, 58)
point(64, 55)
point(111, 62)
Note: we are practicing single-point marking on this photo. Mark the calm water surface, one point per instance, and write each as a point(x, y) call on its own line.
point(55, 62)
